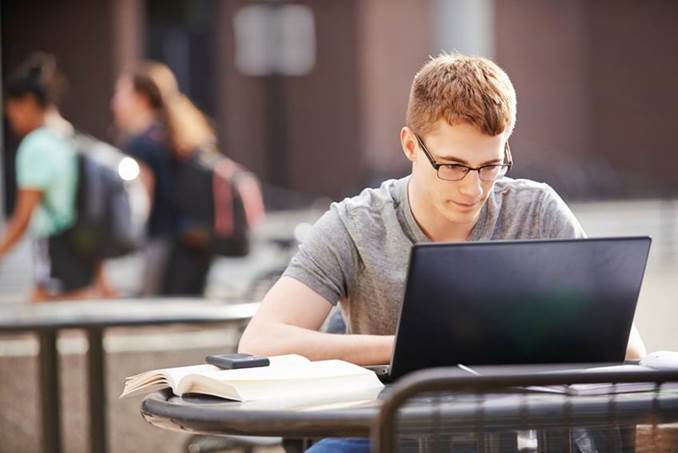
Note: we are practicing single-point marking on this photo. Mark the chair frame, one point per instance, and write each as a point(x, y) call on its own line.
point(448, 380)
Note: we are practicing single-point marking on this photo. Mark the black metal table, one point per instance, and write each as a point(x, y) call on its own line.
point(356, 416)
point(46, 319)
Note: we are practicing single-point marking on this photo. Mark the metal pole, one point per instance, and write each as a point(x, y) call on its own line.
point(277, 140)
point(49, 392)
point(669, 230)
point(2, 134)
point(96, 376)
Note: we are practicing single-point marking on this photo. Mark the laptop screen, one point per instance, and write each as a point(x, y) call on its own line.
point(519, 302)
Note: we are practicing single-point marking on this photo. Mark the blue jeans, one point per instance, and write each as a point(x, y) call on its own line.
point(363, 445)
point(339, 445)
point(585, 441)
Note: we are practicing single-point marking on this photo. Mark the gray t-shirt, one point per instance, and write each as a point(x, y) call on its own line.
point(358, 251)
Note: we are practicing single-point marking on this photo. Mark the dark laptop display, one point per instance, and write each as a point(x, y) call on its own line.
point(519, 302)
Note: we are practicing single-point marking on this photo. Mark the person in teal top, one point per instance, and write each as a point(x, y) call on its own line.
point(46, 162)
point(47, 179)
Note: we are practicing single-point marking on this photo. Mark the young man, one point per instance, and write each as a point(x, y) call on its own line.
point(460, 115)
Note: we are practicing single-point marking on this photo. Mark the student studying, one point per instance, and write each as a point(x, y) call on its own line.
point(460, 115)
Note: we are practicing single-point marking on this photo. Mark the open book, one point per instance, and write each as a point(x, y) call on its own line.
point(285, 377)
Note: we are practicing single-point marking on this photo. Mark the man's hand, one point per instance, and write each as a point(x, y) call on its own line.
point(636, 347)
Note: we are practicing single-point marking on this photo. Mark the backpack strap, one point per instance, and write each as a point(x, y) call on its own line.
point(223, 196)
point(61, 226)
point(250, 193)
point(228, 176)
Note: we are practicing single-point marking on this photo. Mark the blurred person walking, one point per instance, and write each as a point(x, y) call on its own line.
point(161, 127)
point(47, 178)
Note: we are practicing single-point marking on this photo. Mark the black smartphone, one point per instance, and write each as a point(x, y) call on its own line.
point(236, 361)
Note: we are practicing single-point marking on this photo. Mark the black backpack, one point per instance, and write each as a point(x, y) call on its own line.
point(110, 212)
point(221, 197)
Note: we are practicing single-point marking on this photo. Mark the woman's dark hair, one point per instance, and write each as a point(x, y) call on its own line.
point(38, 76)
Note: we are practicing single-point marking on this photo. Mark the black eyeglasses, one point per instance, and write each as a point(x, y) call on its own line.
point(457, 172)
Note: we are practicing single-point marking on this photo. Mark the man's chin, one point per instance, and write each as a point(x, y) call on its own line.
point(459, 213)
point(462, 218)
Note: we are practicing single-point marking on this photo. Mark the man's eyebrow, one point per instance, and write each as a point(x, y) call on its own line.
point(457, 160)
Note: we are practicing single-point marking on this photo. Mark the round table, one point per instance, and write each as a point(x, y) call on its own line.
point(357, 414)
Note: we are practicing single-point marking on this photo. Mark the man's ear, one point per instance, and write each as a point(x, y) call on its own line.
point(408, 143)
point(509, 156)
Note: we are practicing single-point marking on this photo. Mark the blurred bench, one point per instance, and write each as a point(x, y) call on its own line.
point(94, 316)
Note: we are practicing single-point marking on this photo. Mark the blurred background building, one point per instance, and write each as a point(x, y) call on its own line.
point(311, 94)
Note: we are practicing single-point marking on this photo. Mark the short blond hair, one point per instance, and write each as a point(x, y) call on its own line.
point(462, 89)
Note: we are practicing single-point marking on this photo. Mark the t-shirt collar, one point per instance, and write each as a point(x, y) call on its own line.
point(414, 231)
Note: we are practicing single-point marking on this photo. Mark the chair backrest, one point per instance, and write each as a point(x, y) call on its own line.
point(439, 409)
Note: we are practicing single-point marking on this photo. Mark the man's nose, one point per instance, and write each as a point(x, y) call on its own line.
point(471, 186)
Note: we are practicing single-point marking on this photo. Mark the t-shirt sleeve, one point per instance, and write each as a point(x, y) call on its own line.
point(327, 258)
point(34, 168)
point(557, 220)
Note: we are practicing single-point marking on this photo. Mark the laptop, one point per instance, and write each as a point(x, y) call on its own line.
point(518, 302)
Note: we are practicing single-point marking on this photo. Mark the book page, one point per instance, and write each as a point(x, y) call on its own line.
point(298, 371)
point(327, 379)
point(168, 377)
point(175, 375)
point(172, 377)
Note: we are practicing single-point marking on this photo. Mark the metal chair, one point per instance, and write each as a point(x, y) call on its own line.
point(441, 410)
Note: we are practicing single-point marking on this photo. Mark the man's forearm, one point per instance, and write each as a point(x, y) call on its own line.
point(278, 338)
